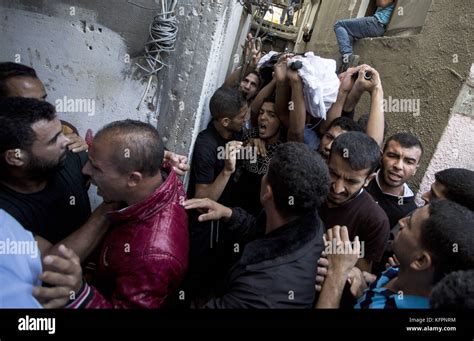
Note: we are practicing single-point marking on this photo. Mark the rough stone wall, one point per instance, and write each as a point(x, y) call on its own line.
point(87, 49)
point(430, 66)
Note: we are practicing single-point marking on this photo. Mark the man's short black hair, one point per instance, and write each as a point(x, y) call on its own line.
point(299, 179)
point(447, 235)
point(346, 124)
point(358, 149)
point(9, 70)
point(17, 115)
point(405, 140)
point(454, 291)
point(226, 102)
point(459, 184)
point(138, 146)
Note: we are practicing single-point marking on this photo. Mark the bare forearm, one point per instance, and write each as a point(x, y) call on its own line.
point(282, 97)
point(262, 94)
point(375, 123)
point(214, 191)
point(331, 292)
point(84, 240)
point(298, 114)
point(233, 79)
point(352, 99)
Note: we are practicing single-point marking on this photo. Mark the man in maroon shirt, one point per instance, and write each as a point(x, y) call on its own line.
point(353, 160)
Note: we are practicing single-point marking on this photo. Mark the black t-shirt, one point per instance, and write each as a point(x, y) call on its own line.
point(363, 218)
point(206, 166)
point(59, 209)
point(248, 177)
point(395, 207)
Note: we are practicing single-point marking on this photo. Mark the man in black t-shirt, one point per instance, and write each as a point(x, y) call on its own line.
point(212, 168)
point(353, 159)
point(41, 184)
point(212, 165)
point(401, 158)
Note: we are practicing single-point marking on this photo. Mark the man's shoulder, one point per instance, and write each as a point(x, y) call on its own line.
point(206, 139)
point(371, 210)
point(75, 160)
point(209, 133)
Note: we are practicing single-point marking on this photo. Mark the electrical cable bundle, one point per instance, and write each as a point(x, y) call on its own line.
point(162, 37)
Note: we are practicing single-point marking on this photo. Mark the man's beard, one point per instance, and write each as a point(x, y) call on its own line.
point(41, 169)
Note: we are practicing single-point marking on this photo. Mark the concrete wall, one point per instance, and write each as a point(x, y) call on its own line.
point(456, 146)
point(429, 67)
point(87, 49)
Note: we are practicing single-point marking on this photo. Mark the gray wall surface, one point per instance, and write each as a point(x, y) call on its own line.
point(86, 50)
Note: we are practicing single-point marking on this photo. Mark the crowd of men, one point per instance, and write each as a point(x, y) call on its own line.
point(282, 210)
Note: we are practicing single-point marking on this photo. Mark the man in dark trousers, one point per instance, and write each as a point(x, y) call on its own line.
point(280, 248)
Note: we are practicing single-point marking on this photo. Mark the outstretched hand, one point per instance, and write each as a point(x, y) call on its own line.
point(214, 210)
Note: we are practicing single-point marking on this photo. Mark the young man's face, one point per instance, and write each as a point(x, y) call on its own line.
point(237, 123)
point(27, 87)
point(327, 140)
point(268, 123)
point(111, 185)
point(48, 151)
point(399, 164)
point(406, 244)
point(435, 193)
point(249, 85)
point(345, 183)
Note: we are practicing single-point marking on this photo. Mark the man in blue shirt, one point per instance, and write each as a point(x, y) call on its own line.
point(430, 244)
point(20, 264)
point(349, 30)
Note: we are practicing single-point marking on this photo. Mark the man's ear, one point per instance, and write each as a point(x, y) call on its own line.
point(369, 178)
point(267, 193)
point(416, 168)
point(225, 121)
point(134, 179)
point(15, 157)
point(422, 262)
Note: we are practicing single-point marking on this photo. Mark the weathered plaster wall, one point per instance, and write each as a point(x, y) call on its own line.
point(81, 50)
point(456, 146)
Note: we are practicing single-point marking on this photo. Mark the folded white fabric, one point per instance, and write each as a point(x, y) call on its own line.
point(266, 58)
point(320, 83)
